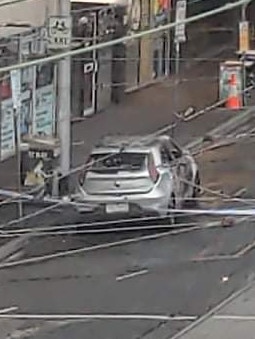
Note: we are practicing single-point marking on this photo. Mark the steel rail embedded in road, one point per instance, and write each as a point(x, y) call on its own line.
point(123, 242)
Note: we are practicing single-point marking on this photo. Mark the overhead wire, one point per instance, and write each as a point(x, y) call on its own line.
point(79, 168)
point(61, 202)
point(158, 132)
point(173, 211)
point(124, 39)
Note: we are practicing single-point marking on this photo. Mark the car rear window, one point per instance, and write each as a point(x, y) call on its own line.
point(111, 163)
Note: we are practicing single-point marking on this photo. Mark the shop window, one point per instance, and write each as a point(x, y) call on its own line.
point(44, 75)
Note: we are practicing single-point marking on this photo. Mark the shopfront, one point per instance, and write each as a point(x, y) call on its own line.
point(37, 111)
point(147, 58)
point(93, 22)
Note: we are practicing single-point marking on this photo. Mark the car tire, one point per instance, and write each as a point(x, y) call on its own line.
point(171, 205)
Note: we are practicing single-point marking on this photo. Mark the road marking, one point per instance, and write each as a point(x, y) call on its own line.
point(243, 251)
point(78, 143)
point(215, 258)
point(156, 317)
point(14, 256)
point(234, 317)
point(131, 275)
point(8, 309)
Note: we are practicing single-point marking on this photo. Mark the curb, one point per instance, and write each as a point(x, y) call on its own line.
point(227, 126)
point(165, 78)
point(12, 247)
point(214, 310)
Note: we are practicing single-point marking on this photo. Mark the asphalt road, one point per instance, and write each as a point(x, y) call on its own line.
point(182, 274)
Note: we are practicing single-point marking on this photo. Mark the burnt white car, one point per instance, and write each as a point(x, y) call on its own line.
point(137, 176)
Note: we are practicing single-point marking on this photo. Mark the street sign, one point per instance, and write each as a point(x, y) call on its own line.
point(244, 36)
point(16, 88)
point(181, 9)
point(59, 32)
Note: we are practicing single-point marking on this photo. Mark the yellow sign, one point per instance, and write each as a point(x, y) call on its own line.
point(244, 44)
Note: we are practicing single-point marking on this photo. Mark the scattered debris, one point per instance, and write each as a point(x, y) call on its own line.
point(228, 222)
point(240, 192)
point(208, 138)
point(225, 278)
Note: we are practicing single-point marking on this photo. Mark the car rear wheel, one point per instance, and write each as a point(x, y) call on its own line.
point(171, 206)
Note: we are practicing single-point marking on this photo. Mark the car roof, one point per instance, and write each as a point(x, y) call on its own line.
point(129, 142)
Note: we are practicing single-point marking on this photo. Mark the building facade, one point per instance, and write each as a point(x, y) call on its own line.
point(38, 91)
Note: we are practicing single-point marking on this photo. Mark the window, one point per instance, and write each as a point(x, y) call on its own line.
point(112, 163)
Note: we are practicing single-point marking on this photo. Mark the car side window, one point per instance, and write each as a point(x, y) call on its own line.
point(166, 158)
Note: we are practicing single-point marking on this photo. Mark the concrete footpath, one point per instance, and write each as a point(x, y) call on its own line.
point(234, 318)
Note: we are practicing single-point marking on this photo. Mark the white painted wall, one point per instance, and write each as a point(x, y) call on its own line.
point(31, 11)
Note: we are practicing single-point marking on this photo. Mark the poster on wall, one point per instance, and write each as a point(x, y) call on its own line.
point(7, 124)
point(161, 11)
point(7, 130)
point(44, 111)
point(44, 117)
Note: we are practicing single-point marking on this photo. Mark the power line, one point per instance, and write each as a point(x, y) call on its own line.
point(82, 167)
point(124, 39)
point(61, 202)
point(185, 211)
point(158, 132)
point(11, 2)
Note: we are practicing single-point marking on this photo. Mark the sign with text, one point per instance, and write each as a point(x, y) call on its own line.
point(16, 88)
point(59, 32)
point(44, 111)
point(7, 129)
point(180, 30)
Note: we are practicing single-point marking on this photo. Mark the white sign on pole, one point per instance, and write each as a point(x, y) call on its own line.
point(16, 88)
point(181, 10)
point(59, 32)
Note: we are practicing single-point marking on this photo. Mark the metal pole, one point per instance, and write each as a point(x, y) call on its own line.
point(244, 6)
point(177, 61)
point(244, 18)
point(64, 106)
point(177, 80)
point(16, 120)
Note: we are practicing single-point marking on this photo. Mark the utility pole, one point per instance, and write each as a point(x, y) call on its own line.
point(64, 107)
point(244, 45)
point(16, 98)
point(180, 37)
point(16, 120)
